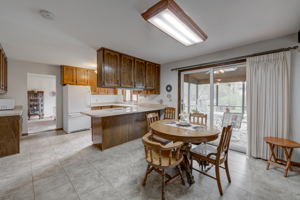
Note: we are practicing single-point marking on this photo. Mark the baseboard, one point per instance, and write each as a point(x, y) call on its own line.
point(56, 129)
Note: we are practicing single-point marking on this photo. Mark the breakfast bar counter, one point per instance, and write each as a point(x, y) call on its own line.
point(111, 127)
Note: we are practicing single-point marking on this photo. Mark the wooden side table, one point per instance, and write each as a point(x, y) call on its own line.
point(287, 146)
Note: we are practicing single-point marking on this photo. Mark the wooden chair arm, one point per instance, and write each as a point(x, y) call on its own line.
point(166, 147)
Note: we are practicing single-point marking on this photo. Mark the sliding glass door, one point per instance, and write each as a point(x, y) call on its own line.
point(219, 93)
point(196, 93)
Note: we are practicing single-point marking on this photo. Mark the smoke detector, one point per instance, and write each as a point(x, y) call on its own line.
point(47, 14)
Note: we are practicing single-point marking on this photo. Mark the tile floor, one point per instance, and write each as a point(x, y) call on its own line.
point(54, 166)
point(36, 126)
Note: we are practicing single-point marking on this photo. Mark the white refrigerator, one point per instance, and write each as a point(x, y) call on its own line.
point(76, 99)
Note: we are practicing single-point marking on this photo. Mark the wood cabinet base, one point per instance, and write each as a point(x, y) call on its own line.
point(10, 129)
point(112, 131)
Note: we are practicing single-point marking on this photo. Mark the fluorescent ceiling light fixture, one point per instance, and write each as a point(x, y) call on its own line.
point(171, 19)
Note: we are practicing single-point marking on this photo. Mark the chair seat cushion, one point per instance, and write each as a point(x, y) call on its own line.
point(160, 140)
point(205, 150)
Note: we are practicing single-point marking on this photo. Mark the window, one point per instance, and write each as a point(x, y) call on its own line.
point(130, 96)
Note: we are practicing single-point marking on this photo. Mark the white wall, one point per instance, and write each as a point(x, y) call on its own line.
point(17, 85)
point(171, 77)
point(47, 84)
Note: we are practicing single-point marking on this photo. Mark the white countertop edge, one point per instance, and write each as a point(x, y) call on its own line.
point(18, 111)
point(111, 104)
point(107, 113)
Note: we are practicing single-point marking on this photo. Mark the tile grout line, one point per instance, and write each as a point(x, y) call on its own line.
point(99, 171)
point(32, 180)
point(68, 178)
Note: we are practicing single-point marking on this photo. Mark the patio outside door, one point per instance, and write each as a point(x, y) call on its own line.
point(219, 93)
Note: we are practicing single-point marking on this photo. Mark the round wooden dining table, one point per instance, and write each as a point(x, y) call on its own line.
point(194, 134)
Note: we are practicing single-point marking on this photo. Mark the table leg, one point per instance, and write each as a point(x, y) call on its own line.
point(186, 164)
point(288, 156)
point(272, 155)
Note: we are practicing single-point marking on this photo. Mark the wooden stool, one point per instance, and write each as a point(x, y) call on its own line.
point(287, 146)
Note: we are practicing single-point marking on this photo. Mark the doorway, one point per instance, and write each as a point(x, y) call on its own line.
point(220, 93)
point(41, 97)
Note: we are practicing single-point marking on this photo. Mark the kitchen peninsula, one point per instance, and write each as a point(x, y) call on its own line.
point(119, 124)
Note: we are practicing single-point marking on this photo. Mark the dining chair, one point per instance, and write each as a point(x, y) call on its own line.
point(169, 113)
point(214, 156)
point(198, 118)
point(151, 118)
point(161, 157)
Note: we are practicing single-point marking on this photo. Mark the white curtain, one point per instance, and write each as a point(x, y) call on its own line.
point(268, 100)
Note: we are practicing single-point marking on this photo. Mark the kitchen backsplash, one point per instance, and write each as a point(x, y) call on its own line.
point(154, 99)
point(106, 98)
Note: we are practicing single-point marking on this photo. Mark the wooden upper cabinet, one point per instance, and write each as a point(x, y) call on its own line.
point(127, 71)
point(139, 73)
point(3, 71)
point(82, 76)
point(68, 75)
point(108, 68)
point(150, 75)
point(5, 75)
point(117, 70)
point(93, 81)
point(157, 79)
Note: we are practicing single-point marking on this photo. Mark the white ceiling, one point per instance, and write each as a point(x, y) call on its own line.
point(82, 26)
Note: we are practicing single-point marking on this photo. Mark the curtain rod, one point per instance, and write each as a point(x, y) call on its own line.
point(235, 59)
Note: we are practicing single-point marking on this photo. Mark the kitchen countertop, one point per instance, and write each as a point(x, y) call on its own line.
point(18, 111)
point(111, 104)
point(130, 109)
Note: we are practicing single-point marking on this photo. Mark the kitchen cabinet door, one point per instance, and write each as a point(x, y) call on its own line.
point(82, 76)
point(139, 73)
point(93, 81)
point(68, 75)
point(127, 71)
point(157, 79)
point(1, 71)
point(5, 75)
point(109, 68)
point(150, 75)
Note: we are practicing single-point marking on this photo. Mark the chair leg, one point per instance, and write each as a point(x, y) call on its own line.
point(163, 184)
point(180, 174)
point(146, 175)
point(227, 171)
point(217, 167)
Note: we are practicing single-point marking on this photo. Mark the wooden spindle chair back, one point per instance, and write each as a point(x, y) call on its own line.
point(169, 113)
point(198, 118)
point(152, 117)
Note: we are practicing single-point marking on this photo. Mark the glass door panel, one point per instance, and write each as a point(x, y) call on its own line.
point(229, 103)
point(196, 92)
